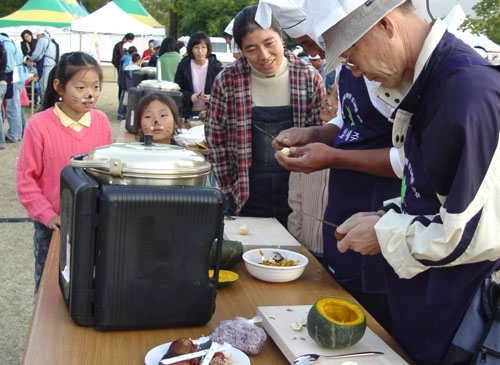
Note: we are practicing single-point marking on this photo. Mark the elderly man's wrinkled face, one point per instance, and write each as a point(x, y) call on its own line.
point(310, 46)
point(376, 56)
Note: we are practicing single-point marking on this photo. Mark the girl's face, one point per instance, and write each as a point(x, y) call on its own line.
point(264, 50)
point(80, 94)
point(329, 106)
point(200, 52)
point(158, 120)
point(27, 37)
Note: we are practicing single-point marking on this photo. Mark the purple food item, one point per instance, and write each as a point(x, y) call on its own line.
point(242, 334)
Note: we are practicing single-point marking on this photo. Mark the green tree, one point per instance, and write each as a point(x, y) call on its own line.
point(93, 5)
point(9, 6)
point(210, 16)
point(487, 21)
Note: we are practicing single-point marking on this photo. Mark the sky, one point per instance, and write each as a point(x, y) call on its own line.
point(440, 8)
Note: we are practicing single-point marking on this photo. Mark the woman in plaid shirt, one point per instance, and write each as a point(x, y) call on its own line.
point(267, 88)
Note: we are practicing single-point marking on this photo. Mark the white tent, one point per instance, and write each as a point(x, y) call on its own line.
point(110, 23)
point(455, 18)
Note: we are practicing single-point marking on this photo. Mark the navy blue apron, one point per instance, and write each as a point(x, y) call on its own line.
point(268, 195)
point(423, 319)
point(427, 309)
point(350, 192)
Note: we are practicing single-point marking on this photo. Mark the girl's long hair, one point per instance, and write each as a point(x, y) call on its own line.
point(69, 65)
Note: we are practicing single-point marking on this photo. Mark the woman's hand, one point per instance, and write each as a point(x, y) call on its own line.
point(205, 98)
point(55, 223)
point(195, 97)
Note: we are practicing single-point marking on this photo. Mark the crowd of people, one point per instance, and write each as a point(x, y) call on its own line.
point(392, 125)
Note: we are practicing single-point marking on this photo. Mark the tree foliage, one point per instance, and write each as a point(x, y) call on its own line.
point(210, 16)
point(181, 17)
point(487, 21)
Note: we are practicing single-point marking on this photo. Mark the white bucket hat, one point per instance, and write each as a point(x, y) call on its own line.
point(347, 31)
point(290, 14)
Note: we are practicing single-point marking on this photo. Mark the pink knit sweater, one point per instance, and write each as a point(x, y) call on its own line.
point(46, 149)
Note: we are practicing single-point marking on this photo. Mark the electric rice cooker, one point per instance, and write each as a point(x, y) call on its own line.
point(137, 225)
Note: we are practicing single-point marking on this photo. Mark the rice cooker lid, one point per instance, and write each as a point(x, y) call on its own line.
point(159, 85)
point(146, 160)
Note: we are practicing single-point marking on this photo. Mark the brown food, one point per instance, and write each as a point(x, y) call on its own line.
point(180, 347)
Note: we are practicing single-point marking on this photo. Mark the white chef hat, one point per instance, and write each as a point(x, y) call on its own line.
point(351, 27)
point(290, 14)
point(229, 27)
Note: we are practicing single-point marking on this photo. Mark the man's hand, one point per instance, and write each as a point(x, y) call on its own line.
point(293, 137)
point(310, 158)
point(55, 223)
point(360, 234)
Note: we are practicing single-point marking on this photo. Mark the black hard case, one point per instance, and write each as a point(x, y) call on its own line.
point(136, 93)
point(148, 266)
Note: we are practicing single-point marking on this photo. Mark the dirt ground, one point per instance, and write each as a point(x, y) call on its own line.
point(16, 242)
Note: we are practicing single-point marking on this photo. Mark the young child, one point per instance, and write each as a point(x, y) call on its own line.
point(52, 136)
point(157, 114)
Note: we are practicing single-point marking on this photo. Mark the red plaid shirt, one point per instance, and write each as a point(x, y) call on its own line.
point(228, 127)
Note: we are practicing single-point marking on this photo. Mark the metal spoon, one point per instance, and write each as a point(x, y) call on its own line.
point(310, 358)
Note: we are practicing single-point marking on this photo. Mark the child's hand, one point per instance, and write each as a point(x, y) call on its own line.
point(55, 223)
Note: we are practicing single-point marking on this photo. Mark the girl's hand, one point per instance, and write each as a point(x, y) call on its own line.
point(205, 97)
point(55, 223)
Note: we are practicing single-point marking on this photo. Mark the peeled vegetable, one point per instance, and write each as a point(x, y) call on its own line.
point(336, 323)
point(229, 256)
point(243, 229)
point(285, 151)
point(226, 277)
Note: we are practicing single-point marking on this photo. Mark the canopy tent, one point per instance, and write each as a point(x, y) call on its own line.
point(135, 9)
point(53, 13)
point(110, 23)
point(74, 8)
point(454, 20)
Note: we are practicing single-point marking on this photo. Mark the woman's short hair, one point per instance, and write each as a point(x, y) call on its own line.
point(169, 44)
point(197, 38)
point(244, 23)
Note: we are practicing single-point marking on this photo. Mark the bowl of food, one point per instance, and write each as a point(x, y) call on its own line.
point(275, 265)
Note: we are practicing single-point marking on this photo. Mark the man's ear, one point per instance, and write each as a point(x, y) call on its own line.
point(387, 24)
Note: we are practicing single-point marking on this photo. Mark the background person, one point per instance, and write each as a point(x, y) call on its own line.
point(146, 55)
point(3, 90)
point(169, 59)
point(28, 43)
point(45, 58)
point(196, 74)
point(16, 74)
point(61, 130)
point(118, 51)
point(154, 57)
point(441, 243)
point(267, 87)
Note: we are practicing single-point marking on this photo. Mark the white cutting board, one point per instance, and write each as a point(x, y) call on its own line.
point(277, 321)
point(263, 233)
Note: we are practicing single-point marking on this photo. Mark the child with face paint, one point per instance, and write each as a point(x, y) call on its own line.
point(157, 114)
point(67, 125)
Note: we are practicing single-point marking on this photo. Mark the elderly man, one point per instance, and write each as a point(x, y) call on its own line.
point(356, 153)
point(442, 242)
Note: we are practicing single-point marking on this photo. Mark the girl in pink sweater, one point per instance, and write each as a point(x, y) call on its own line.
point(66, 126)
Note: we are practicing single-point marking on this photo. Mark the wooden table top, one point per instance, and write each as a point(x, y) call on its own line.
point(53, 338)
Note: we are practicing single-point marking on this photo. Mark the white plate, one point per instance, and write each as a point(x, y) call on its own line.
point(154, 355)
